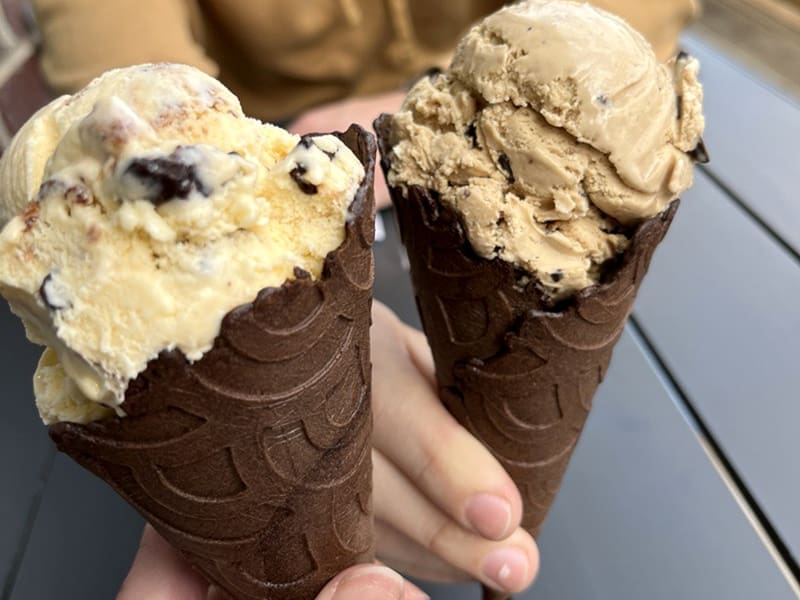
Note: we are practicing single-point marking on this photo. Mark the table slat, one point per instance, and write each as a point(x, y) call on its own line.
point(721, 307)
point(83, 541)
point(753, 137)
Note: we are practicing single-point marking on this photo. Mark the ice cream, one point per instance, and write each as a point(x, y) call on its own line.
point(142, 210)
point(553, 133)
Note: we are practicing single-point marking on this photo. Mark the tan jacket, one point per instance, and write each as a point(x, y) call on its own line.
point(282, 56)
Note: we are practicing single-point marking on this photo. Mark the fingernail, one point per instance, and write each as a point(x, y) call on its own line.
point(370, 582)
point(489, 515)
point(506, 568)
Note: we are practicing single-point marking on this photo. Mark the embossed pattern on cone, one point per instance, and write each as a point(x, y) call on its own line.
point(518, 374)
point(255, 460)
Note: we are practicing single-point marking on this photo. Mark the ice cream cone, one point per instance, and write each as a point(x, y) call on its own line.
point(254, 461)
point(518, 372)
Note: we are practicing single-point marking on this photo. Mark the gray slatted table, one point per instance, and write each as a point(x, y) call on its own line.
point(649, 507)
point(25, 451)
point(733, 343)
point(753, 135)
point(722, 306)
point(83, 541)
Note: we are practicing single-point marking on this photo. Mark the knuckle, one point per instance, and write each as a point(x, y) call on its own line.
point(437, 451)
point(437, 541)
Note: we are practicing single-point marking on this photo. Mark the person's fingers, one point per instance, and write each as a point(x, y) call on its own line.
point(370, 582)
point(160, 573)
point(403, 554)
point(419, 352)
point(509, 566)
point(382, 198)
point(447, 463)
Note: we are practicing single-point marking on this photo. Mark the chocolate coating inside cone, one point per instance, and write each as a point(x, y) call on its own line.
point(255, 460)
point(518, 373)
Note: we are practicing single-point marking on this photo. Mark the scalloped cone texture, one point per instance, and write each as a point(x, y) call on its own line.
point(518, 376)
point(255, 460)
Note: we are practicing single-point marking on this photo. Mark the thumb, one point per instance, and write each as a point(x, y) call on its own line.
point(366, 582)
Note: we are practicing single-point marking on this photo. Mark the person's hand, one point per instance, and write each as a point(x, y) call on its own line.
point(338, 116)
point(444, 507)
point(160, 573)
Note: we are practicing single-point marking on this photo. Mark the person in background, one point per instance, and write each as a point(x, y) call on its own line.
point(322, 64)
point(445, 509)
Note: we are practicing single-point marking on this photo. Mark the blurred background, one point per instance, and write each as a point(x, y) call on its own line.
point(685, 483)
point(763, 35)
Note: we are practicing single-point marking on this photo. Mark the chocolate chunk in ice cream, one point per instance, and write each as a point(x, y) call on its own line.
point(297, 175)
point(167, 177)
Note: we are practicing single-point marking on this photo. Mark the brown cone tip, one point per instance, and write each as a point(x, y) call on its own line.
point(518, 373)
point(255, 460)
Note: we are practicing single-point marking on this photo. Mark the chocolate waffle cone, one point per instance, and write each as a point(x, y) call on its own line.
point(516, 371)
point(254, 461)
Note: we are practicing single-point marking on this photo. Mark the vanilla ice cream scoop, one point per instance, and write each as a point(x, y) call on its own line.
point(552, 134)
point(140, 211)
